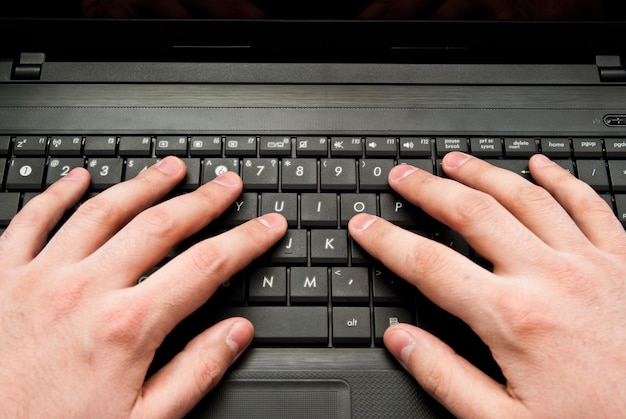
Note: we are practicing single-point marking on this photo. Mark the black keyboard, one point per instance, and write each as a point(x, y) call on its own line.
point(316, 287)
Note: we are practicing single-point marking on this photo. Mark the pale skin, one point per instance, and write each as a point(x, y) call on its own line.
point(75, 326)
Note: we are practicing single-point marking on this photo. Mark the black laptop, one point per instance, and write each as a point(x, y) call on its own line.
point(312, 103)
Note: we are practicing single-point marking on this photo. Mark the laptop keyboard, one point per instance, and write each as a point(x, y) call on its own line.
point(316, 287)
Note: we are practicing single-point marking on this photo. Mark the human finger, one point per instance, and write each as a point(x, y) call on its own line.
point(443, 275)
point(458, 385)
point(486, 225)
point(531, 204)
point(28, 231)
point(147, 239)
point(589, 211)
point(175, 389)
point(99, 218)
point(187, 281)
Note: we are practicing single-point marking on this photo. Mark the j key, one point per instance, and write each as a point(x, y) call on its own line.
point(351, 325)
point(593, 172)
point(309, 285)
point(171, 145)
point(135, 146)
point(245, 208)
point(353, 204)
point(346, 146)
point(282, 203)
point(268, 285)
point(312, 146)
point(215, 167)
point(30, 146)
point(291, 249)
point(66, 146)
point(260, 174)
point(287, 325)
point(338, 174)
point(384, 317)
point(381, 147)
point(319, 210)
point(9, 204)
point(520, 147)
point(105, 172)
point(329, 246)
point(350, 285)
point(486, 147)
point(134, 166)
point(100, 146)
point(240, 146)
point(275, 146)
point(60, 167)
point(25, 173)
point(446, 145)
point(587, 147)
point(205, 146)
point(373, 174)
point(299, 174)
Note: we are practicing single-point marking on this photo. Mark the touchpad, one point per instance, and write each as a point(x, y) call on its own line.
point(278, 399)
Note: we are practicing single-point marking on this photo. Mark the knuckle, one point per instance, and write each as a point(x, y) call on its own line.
point(531, 197)
point(207, 259)
point(98, 211)
point(473, 207)
point(157, 222)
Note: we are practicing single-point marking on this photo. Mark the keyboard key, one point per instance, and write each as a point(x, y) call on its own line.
point(517, 166)
point(346, 146)
point(520, 147)
point(5, 145)
point(215, 167)
point(105, 172)
point(399, 211)
point(617, 170)
point(240, 146)
point(299, 174)
point(351, 325)
point(556, 147)
point(373, 174)
point(9, 205)
point(319, 210)
point(615, 147)
point(486, 147)
point(284, 325)
point(309, 285)
point(205, 146)
point(350, 285)
point(353, 204)
point(282, 203)
point(30, 146)
point(60, 167)
point(446, 145)
point(275, 146)
point(135, 146)
point(291, 249)
point(620, 208)
point(260, 174)
point(329, 246)
point(381, 147)
point(25, 174)
point(587, 147)
point(134, 166)
point(338, 174)
point(100, 146)
point(384, 317)
point(388, 288)
point(312, 146)
point(593, 172)
point(66, 146)
point(245, 208)
point(268, 285)
point(170, 146)
point(415, 147)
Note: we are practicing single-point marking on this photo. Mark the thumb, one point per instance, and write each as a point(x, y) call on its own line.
point(458, 385)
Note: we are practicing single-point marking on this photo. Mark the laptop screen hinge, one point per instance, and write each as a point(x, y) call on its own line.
point(610, 68)
point(28, 66)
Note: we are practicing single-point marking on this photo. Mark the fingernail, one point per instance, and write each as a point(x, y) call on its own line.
point(228, 179)
point(454, 160)
point(239, 337)
point(401, 345)
point(170, 166)
point(273, 221)
point(362, 222)
point(401, 171)
point(542, 161)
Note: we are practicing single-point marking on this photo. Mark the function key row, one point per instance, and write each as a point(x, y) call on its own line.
point(307, 146)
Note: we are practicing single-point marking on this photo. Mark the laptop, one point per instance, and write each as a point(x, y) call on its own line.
point(312, 103)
